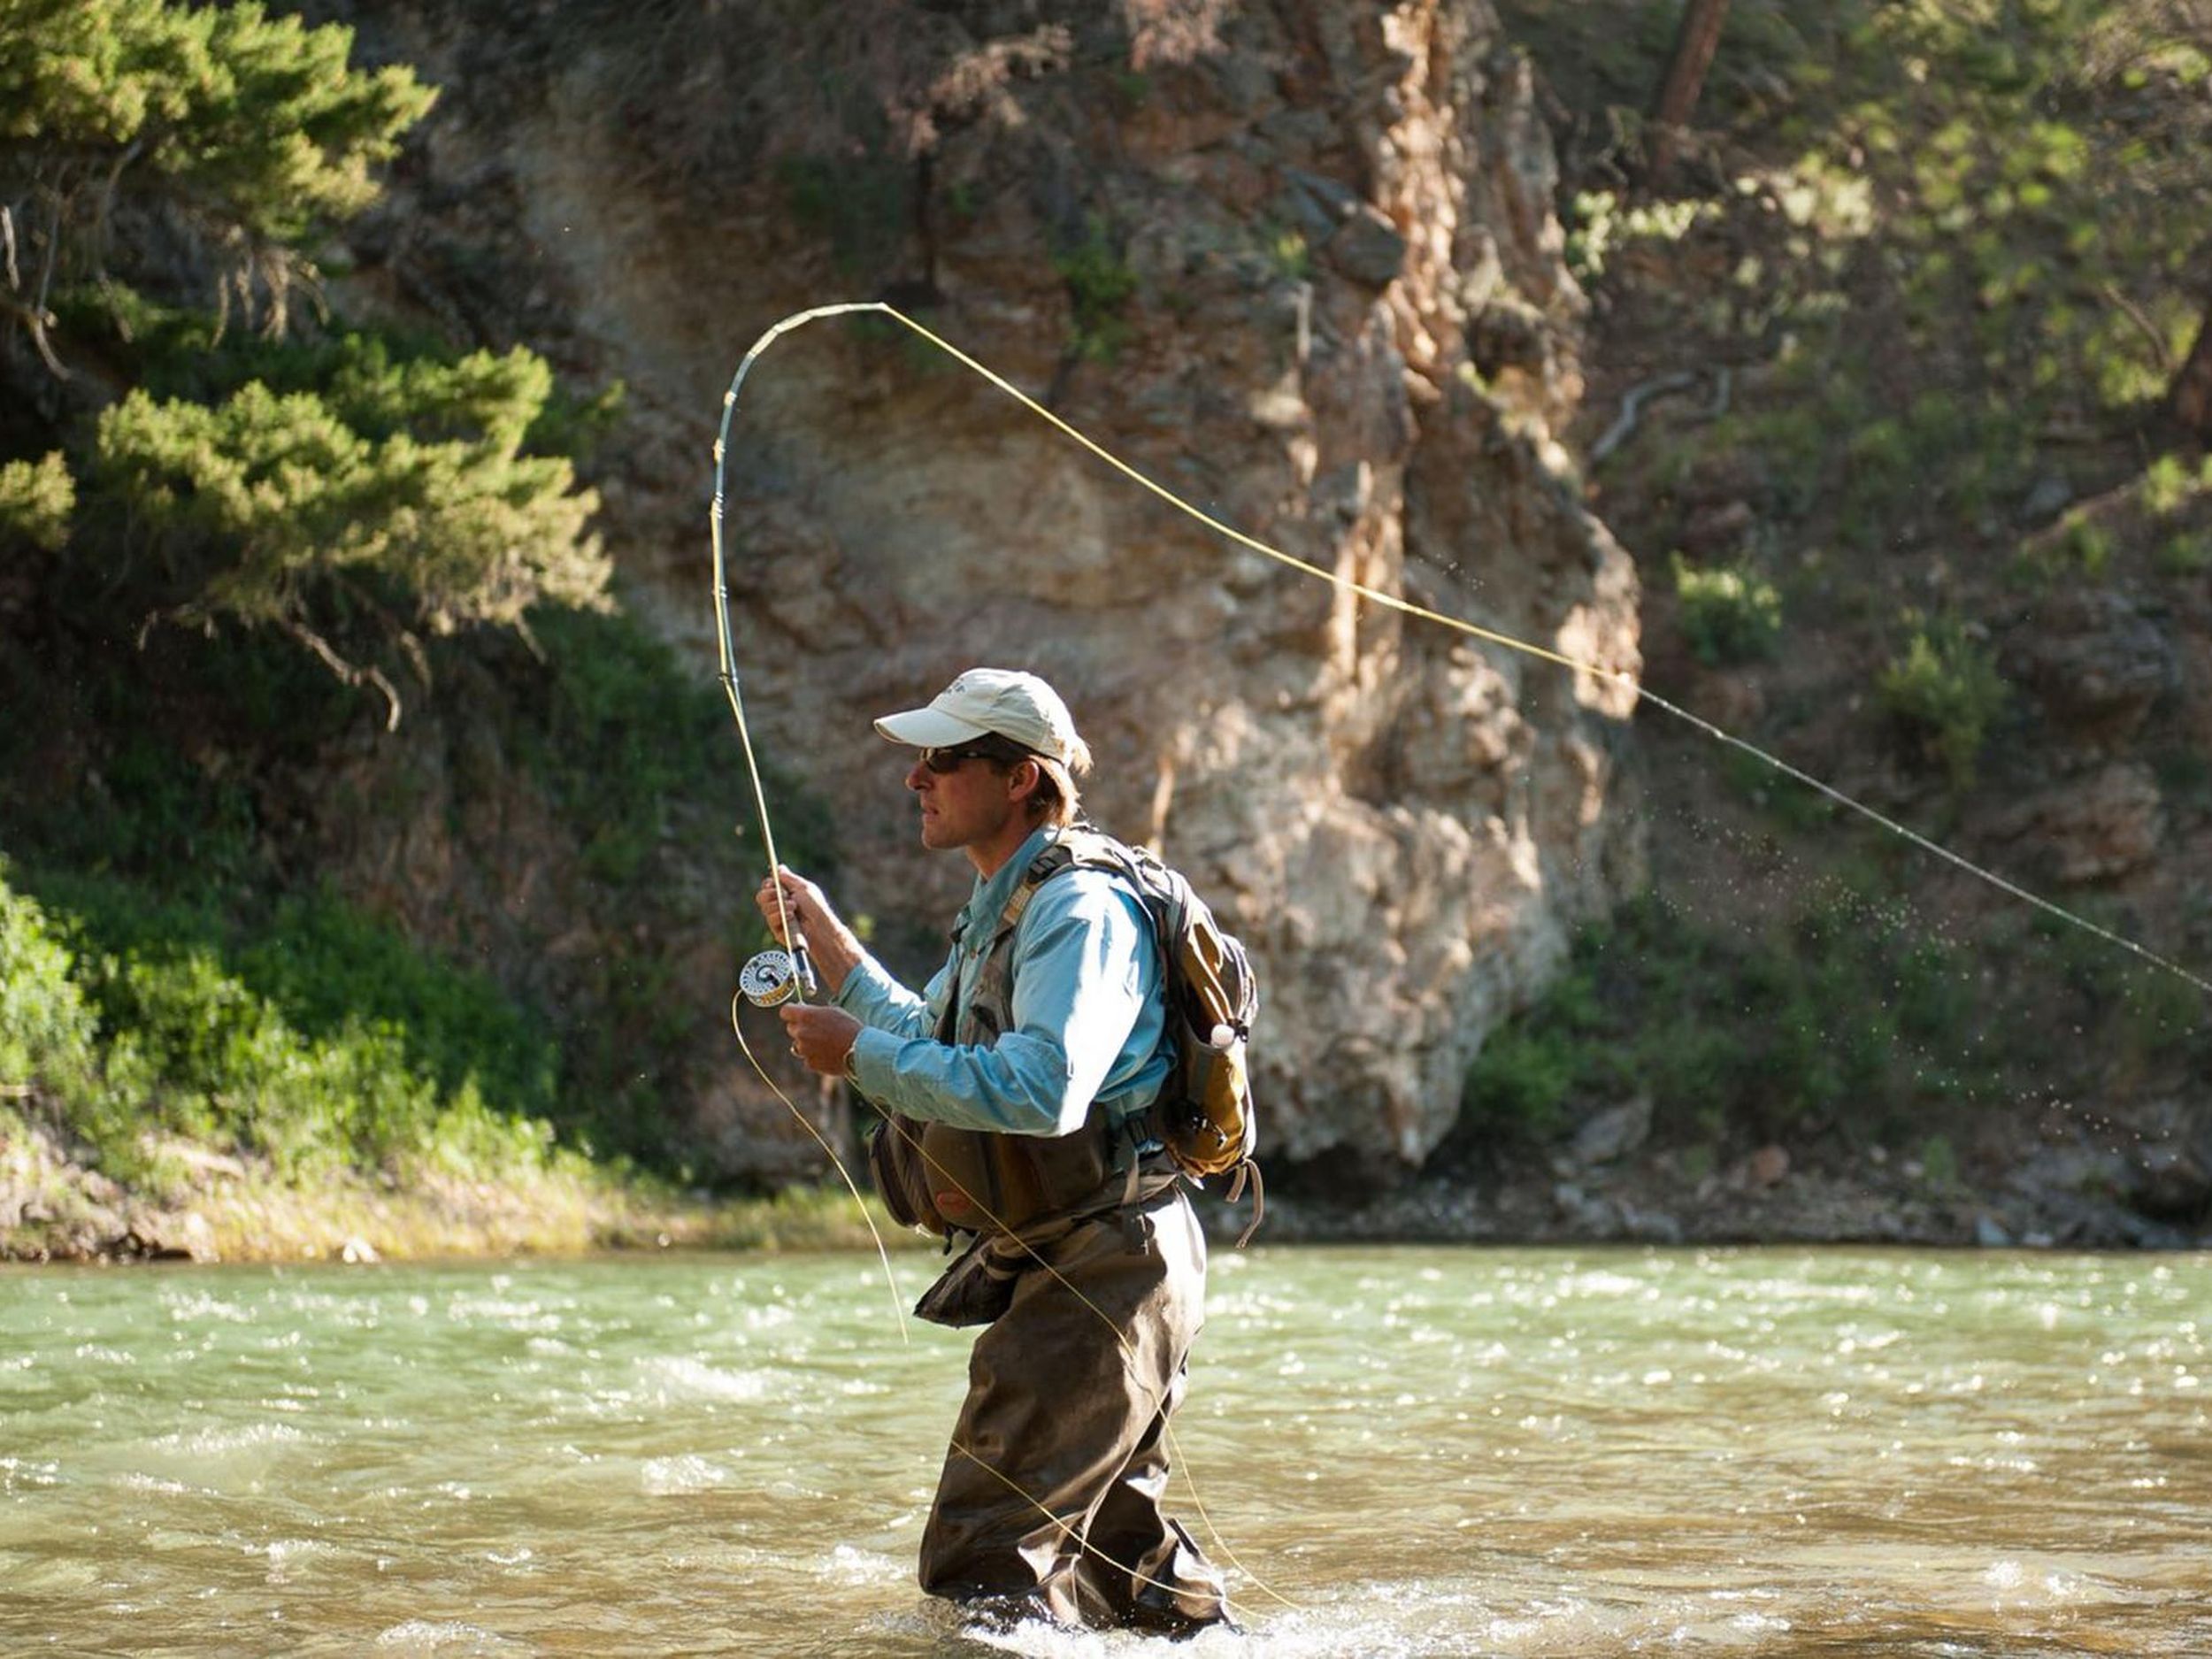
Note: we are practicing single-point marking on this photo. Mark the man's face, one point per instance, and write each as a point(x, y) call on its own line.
point(972, 805)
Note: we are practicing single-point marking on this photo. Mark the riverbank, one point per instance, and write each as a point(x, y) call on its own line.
point(2063, 1191)
point(2060, 1196)
point(52, 1210)
point(215, 1208)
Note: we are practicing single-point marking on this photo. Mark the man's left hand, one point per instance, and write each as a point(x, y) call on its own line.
point(822, 1037)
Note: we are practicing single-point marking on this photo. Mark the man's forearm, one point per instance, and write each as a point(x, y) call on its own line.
point(836, 953)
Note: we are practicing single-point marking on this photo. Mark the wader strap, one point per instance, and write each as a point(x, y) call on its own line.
point(1010, 918)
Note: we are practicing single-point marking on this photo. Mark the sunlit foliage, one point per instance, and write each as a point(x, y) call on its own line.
point(256, 122)
point(281, 493)
point(36, 498)
point(346, 495)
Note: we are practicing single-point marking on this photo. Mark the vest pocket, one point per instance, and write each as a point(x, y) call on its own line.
point(896, 1164)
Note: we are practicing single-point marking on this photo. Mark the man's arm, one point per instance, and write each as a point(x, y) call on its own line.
point(872, 996)
point(1082, 964)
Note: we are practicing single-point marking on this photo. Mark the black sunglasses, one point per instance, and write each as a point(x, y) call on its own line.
point(942, 761)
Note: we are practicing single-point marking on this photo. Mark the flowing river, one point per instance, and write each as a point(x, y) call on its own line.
point(1411, 1451)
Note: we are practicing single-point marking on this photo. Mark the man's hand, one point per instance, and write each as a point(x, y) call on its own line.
point(820, 1036)
point(804, 905)
point(835, 949)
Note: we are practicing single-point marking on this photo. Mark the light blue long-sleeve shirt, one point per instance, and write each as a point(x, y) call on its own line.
point(1087, 1012)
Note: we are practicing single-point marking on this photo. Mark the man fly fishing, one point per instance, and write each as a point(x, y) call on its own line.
point(1015, 1092)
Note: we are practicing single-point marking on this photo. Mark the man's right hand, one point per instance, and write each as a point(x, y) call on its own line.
point(834, 946)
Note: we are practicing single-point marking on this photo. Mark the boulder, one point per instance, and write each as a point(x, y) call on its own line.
point(2093, 829)
point(1367, 248)
point(1613, 1133)
point(2097, 660)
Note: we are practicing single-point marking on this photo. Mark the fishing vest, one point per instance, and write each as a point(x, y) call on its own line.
point(950, 1180)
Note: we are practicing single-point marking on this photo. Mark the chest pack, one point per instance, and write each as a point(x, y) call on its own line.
point(948, 1179)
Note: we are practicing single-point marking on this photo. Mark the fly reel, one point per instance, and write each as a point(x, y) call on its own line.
point(770, 978)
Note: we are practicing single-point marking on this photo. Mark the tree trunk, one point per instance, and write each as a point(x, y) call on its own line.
point(1693, 48)
point(2191, 396)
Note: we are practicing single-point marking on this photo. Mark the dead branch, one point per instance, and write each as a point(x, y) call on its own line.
point(104, 215)
point(35, 321)
point(1632, 410)
point(47, 259)
point(353, 674)
point(2134, 313)
point(410, 642)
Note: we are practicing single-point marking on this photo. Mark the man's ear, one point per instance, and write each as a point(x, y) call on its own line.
point(1017, 787)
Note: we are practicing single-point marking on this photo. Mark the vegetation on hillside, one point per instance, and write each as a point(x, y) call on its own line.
point(268, 572)
point(1907, 307)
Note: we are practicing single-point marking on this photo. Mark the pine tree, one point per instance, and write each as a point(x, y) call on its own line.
point(341, 495)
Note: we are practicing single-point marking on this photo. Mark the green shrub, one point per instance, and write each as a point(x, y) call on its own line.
point(409, 473)
point(633, 747)
point(1099, 285)
point(318, 486)
point(37, 499)
point(1597, 222)
point(2087, 543)
point(2168, 485)
point(1288, 255)
point(2188, 554)
point(319, 1040)
point(1730, 613)
point(1844, 1015)
point(255, 122)
point(1944, 687)
point(1519, 1088)
point(47, 1032)
point(861, 201)
point(1938, 1162)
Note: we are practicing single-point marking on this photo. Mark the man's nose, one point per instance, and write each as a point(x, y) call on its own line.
point(915, 776)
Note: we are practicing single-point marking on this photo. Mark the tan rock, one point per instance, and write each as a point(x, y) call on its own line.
point(2097, 827)
point(1407, 823)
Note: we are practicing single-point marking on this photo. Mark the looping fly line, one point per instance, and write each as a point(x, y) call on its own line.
point(1374, 595)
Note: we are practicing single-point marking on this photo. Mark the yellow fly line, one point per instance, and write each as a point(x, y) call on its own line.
point(1374, 595)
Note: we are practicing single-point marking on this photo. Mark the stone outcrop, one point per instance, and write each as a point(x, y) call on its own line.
point(2093, 829)
point(2096, 660)
point(1296, 261)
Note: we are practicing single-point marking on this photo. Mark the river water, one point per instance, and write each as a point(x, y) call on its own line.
point(1410, 1451)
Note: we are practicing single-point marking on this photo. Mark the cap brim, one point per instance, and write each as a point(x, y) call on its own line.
point(929, 728)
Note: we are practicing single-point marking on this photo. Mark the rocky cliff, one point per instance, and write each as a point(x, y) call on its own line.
point(1295, 260)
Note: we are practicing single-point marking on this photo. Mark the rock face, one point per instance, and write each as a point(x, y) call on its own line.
point(1247, 250)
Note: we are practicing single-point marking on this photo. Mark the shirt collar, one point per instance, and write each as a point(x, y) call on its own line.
point(978, 918)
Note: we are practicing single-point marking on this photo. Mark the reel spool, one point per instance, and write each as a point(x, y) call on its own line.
point(769, 977)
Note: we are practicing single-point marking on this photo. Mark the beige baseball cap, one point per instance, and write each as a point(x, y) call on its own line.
point(1014, 705)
